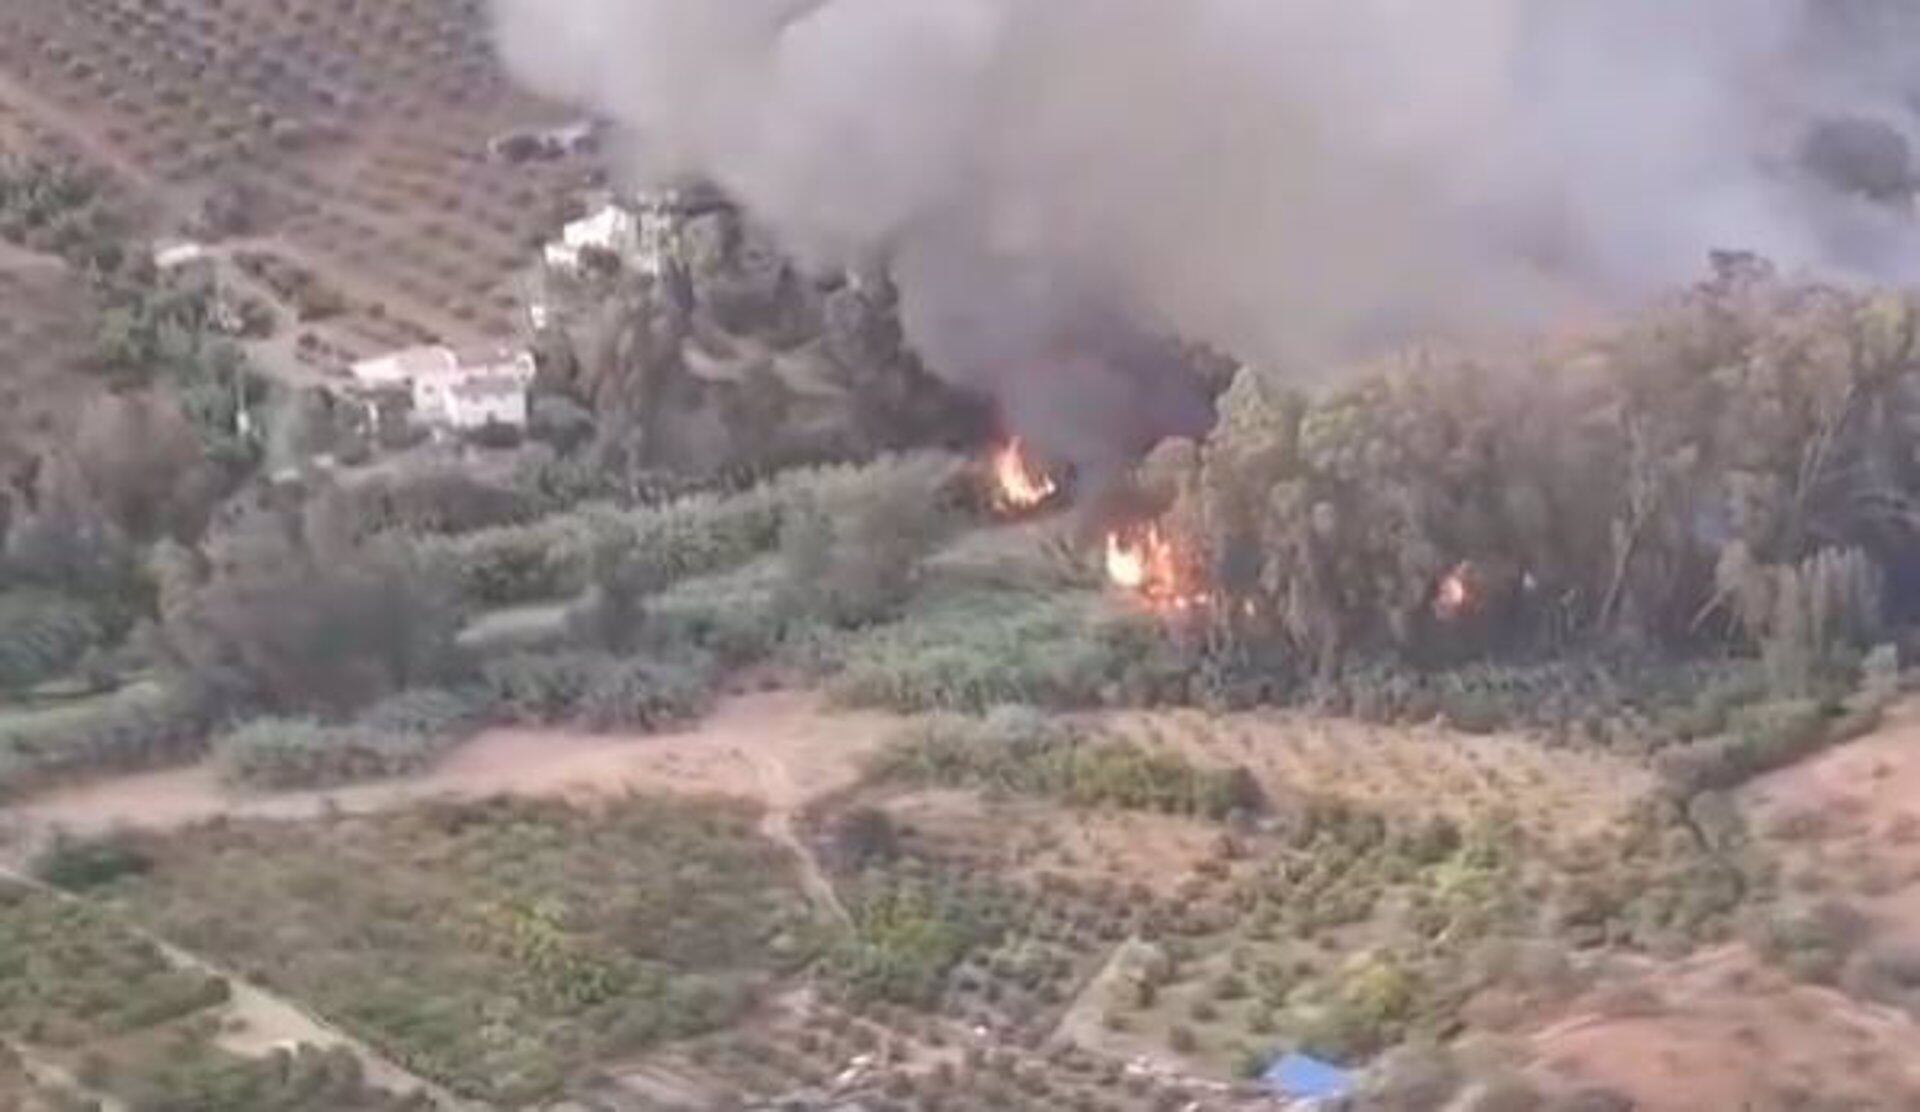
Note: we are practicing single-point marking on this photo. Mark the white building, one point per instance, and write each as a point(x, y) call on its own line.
point(472, 403)
point(173, 254)
point(458, 390)
point(497, 361)
point(399, 370)
point(642, 240)
point(612, 229)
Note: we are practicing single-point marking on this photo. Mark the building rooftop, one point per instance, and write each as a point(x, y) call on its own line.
point(1304, 1078)
point(488, 386)
point(407, 363)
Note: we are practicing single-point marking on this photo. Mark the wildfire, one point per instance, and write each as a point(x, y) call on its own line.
point(1148, 564)
point(1127, 563)
point(1017, 483)
point(1456, 596)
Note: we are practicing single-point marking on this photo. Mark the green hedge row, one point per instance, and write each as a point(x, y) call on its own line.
point(552, 558)
point(142, 727)
point(42, 635)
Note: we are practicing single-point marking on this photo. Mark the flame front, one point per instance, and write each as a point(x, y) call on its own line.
point(1147, 564)
point(1126, 563)
point(1018, 484)
point(1455, 597)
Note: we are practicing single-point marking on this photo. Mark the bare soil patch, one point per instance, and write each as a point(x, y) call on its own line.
point(1722, 1030)
point(1846, 828)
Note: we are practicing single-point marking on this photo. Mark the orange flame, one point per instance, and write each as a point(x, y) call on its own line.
point(1018, 484)
point(1455, 597)
point(1148, 564)
point(1126, 563)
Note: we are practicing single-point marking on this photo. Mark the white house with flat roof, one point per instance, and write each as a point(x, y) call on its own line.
point(457, 390)
point(612, 229)
point(398, 370)
point(471, 403)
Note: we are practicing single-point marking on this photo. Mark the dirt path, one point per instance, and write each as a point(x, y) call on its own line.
point(781, 749)
point(783, 801)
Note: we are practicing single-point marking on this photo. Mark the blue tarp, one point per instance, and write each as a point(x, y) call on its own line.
point(1300, 1077)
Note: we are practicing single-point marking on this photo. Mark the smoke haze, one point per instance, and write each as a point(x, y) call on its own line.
point(1294, 181)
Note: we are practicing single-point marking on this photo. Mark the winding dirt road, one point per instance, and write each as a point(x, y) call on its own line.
point(782, 750)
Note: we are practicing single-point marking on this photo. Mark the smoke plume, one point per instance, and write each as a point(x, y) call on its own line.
point(1052, 182)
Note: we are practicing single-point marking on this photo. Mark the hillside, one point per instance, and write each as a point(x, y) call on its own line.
point(749, 723)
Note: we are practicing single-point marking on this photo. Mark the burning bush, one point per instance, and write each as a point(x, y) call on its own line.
point(1018, 483)
point(1452, 508)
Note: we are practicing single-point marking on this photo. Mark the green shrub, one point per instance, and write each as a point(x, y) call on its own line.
point(428, 711)
point(1765, 736)
point(440, 499)
point(400, 735)
point(138, 728)
point(42, 635)
point(76, 864)
point(697, 535)
point(1019, 750)
point(601, 928)
point(195, 1073)
point(540, 688)
point(598, 691)
point(905, 942)
point(966, 647)
point(1811, 941)
point(852, 551)
point(645, 695)
point(737, 617)
point(510, 565)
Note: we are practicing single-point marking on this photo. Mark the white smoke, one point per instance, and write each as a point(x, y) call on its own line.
point(1291, 180)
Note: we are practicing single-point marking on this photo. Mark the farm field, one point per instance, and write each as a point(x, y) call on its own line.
point(351, 143)
point(711, 699)
point(92, 1010)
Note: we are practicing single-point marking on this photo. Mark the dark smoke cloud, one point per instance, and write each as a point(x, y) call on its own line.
point(1295, 181)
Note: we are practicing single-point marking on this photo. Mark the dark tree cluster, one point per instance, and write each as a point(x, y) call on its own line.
point(1734, 469)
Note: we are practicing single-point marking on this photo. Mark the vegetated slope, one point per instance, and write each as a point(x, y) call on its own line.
point(1845, 826)
point(584, 933)
point(46, 337)
point(734, 358)
point(91, 1008)
point(358, 135)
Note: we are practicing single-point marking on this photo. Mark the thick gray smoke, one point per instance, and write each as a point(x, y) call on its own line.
point(1290, 180)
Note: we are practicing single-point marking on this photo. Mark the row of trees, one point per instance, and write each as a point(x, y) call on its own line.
point(1733, 468)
